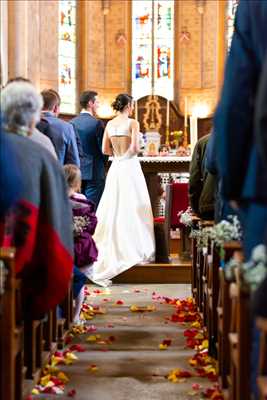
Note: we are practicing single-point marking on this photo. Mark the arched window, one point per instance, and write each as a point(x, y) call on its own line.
point(152, 48)
point(230, 19)
point(67, 55)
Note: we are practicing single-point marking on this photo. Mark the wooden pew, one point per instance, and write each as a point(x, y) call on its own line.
point(11, 329)
point(195, 221)
point(262, 378)
point(231, 249)
point(239, 340)
point(212, 298)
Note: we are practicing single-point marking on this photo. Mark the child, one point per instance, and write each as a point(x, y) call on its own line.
point(84, 224)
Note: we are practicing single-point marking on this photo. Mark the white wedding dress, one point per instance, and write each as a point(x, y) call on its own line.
point(125, 231)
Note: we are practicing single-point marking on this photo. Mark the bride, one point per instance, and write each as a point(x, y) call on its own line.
point(125, 232)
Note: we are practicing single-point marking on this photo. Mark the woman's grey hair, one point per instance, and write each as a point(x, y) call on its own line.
point(21, 105)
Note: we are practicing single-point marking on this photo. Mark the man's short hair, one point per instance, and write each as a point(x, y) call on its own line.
point(51, 99)
point(88, 95)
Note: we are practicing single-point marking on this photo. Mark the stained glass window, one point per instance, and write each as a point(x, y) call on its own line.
point(152, 48)
point(230, 19)
point(67, 55)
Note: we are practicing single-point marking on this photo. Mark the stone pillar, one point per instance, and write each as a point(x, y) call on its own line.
point(3, 42)
point(18, 38)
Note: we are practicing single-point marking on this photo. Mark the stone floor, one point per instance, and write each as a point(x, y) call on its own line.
point(132, 367)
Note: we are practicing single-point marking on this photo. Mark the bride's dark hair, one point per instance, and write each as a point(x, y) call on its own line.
point(121, 101)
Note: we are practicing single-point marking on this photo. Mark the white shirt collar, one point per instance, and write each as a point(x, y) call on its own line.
point(86, 112)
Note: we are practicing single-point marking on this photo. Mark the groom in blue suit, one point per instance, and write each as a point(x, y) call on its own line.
point(90, 131)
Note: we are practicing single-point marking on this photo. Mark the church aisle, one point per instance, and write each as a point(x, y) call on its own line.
point(125, 354)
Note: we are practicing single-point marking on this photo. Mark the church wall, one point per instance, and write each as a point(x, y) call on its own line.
point(200, 54)
point(32, 41)
point(104, 47)
point(107, 47)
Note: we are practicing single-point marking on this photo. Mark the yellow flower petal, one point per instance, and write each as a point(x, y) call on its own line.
point(163, 346)
point(63, 377)
point(45, 379)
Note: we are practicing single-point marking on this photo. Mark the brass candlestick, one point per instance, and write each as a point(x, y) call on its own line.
point(167, 137)
point(185, 141)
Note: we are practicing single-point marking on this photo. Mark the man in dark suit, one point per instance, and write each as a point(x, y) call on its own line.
point(260, 296)
point(244, 180)
point(242, 173)
point(90, 131)
point(63, 135)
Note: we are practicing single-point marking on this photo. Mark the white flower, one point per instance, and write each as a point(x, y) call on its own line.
point(255, 270)
point(79, 223)
point(186, 217)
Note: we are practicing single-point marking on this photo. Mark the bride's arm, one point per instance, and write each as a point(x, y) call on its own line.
point(106, 144)
point(135, 143)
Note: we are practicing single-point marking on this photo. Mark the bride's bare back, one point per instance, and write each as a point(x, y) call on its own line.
point(120, 136)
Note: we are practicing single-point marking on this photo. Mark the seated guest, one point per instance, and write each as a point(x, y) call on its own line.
point(84, 224)
point(202, 185)
point(40, 226)
point(64, 138)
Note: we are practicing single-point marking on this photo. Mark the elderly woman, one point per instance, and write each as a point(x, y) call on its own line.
point(42, 219)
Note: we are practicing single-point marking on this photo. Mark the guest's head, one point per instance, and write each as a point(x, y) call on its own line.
point(89, 101)
point(73, 178)
point(51, 100)
point(21, 106)
point(123, 103)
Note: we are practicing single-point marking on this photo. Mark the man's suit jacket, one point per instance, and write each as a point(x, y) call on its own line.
point(64, 140)
point(90, 130)
point(261, 116)
point(239, 164)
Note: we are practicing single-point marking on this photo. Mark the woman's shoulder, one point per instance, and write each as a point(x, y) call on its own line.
point(133, 123)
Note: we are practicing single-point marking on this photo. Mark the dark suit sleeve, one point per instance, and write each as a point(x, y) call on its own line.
point(195, 181)
point(72, 154)
point(234, 115)
point(99, 137)
point(211, 161)
point(78, 141)
point(261, 115)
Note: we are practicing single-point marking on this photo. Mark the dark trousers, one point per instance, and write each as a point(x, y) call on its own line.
point(93, 189)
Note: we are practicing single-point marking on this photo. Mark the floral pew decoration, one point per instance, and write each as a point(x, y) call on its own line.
point(252, 272)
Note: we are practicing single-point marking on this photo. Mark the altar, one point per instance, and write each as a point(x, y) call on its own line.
point(152, 167)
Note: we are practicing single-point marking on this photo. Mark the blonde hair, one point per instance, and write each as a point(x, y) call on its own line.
point(73, 176)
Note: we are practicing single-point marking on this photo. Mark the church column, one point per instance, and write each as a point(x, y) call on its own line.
point(3, 42)
point(18, 38)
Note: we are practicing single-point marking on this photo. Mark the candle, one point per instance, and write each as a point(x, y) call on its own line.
point(136, 110)
point(168, 114)
point(193, 133)
point(185, 111)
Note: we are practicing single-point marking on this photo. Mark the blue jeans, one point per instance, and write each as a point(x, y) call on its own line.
point(93, 189)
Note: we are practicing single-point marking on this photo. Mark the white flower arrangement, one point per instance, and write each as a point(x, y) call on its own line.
point(255, 270)
point(225, 231)
point(220, 233)
point(79, 223)
point(185, 217)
